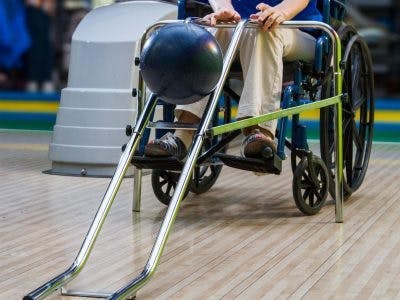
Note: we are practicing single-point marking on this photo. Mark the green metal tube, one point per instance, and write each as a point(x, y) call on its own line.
point(273, 115)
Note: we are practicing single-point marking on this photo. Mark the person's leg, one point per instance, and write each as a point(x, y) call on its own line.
point(261, 55)
point(261, 58)
point(186, 136)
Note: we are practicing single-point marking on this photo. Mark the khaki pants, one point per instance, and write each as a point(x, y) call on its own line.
point(261, 56)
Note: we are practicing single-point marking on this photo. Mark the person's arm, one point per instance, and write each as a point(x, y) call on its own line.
point(272, 16)
point(218, 5)
point(223, 11)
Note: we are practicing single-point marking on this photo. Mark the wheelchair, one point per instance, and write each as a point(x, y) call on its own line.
point(339, 83)
point(313, 177)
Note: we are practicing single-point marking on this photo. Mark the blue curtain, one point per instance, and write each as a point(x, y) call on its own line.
point(14, 38)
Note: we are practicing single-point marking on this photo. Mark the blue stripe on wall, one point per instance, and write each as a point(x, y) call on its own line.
point(10, 116)
point(24, 96)
point(387, 104)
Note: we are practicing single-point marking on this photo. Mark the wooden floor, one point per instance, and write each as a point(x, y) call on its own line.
point(243, 239)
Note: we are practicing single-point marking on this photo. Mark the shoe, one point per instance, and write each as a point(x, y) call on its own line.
point(255, 143)
point(167, 145)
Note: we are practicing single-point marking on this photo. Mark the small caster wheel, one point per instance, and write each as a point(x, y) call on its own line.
point(164, 184)
point(310, 195)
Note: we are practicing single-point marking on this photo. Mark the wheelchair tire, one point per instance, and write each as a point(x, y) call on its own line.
point(204, 178)
point(204, 175)
point(357, 112)
point(164, 184)
point(308, 195)
point(294, 161)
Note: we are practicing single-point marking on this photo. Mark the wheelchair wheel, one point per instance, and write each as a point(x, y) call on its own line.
point(164, 184)
point(164, 181)
point(204, 178)
point(358, 115)
point(310, 195)
point(204, 175)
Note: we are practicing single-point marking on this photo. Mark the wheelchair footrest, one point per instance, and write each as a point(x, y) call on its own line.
point(272, 165)
point(163, 163)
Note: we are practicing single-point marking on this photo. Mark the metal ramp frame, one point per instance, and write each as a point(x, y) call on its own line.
point(129, 290)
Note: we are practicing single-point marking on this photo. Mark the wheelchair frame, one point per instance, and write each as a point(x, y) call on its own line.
point(204, 130)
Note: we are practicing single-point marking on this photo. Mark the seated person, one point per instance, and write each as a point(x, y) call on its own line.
point(261, 54)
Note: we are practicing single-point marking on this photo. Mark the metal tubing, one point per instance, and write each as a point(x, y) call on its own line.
point(338, 80)
point(185, 177)
point(273, 115)
point(102, 211)
point(137, 175)
point(339, 216)
point(137, 189)
point(73, 293)
point(339, 164)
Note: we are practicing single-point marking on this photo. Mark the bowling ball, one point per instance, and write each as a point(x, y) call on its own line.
point(181, 63)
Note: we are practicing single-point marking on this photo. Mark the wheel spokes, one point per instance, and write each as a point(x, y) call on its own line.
point(306, 193)
point(357, 138)
point(169, 188)
point(319, 198)
point(308, 178)
point(311, 199)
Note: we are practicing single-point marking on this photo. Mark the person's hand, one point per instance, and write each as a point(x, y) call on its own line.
point(268, 16)
point(222, 15)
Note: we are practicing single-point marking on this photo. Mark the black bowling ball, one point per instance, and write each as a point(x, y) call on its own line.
point(181, 63)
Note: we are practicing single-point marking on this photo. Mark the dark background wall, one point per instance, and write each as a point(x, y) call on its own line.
point(377, 20)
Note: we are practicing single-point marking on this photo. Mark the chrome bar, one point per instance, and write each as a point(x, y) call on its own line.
point(172, 125)
point(141, 95)
point(185, 177)
point(137, 189)
point(73, 293)
point(339, 215)
point(102, 211)
point(339, 164)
